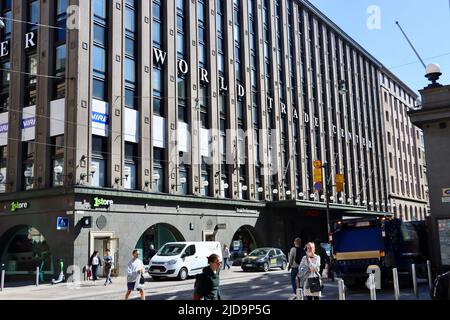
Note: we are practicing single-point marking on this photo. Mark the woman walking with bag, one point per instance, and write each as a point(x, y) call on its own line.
point(94, 264)
point(309, 273)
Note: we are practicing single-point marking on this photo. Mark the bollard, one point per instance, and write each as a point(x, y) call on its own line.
point(396, 286)
point(414, 278)
point(2, 284)
point(299, 294)
point(430, 281)
point(37, 276)
point(373, 292)
point(341, 286)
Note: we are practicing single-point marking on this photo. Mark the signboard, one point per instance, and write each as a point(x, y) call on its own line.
point(446, 192)
point(318, 186)
point(16, 205)
point(444, 240)
point(339, 179)
point(100, 202)
point(237, 245)
point(317, 164)
point(62, 223)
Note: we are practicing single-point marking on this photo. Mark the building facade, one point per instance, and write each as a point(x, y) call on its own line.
point(405, 151)
point(138, 122)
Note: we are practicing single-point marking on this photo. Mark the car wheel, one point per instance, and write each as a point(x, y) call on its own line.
point(283, 265)
point(182, 275)
point(266, 267)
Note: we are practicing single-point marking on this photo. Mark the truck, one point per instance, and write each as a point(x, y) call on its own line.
point(364, 244)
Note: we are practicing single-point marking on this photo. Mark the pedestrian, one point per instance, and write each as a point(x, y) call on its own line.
point(308, 270)
point(295, 257)
point(324, 259)
point(206, 285)
point(94, 263)
point(135, 272)
point(108, 259)
point(226, 256)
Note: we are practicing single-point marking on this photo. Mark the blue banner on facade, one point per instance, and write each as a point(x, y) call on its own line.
point(100, 118)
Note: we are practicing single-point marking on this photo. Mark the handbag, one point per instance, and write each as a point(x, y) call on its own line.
point(315, 284)
point(142, 279)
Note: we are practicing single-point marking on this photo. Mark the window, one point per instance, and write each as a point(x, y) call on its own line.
point(390, 160)
point(57, 153)
point(130, 57)
point(28, 152)
point(99, 51)
point(99, 157)
point(158, 169)
point(387, 116)
point(3, 161)
point(158, 108)
point(31, 80)
point(157, 28)
point(205, 181)
point(131, 161)
point(389, 138)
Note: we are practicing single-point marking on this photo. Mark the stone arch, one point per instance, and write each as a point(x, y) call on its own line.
point(23, 248)
point(157, 235)
point(244, 240)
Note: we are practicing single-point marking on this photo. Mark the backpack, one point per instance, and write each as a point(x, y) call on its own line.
point(441, 287)
point(299, 253)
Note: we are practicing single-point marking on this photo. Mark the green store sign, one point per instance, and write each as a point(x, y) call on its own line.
point(100, 202)
point(16, 205)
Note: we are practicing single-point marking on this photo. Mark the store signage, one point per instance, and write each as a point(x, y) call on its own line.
point(100, 202)
point(183, 68)
point(100, 117)
point(62, 223)
point(16, 205)
point(3, 127)
point(30, 42)
point(28, 123)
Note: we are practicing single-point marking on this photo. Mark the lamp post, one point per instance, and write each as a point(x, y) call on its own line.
point(327, 199)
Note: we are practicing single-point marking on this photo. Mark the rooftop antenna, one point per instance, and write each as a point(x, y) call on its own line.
point(415, 51)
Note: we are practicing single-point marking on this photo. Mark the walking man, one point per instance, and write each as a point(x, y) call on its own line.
point(226, 256)
point(108, 259)
point(295, 257)
point(134, 272)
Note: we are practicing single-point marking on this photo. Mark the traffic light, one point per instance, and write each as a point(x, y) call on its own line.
point(339, 179)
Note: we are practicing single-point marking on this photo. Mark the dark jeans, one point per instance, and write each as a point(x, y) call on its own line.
point(294, 272)
point(225, 263)
point(94, 272)
point(312, 298)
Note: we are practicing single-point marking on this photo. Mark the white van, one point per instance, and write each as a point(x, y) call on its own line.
point(182, 259)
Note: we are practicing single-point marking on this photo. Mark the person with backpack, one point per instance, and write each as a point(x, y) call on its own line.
point(206, 285)
point(295, 257)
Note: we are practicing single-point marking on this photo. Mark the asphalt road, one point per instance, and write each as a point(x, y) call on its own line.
point(235, 285)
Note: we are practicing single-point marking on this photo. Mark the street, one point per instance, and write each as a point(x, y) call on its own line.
point(235, 285)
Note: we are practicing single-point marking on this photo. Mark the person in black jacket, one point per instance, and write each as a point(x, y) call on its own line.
point(94, 263)
point(207, 283)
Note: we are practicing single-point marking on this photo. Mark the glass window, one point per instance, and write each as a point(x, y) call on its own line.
point(100, 8)
point(60, 58)
point(99, 57)
point(130, 19)
point(130, 70)
point(99, 34)
point(130, 100)
point(99, 89)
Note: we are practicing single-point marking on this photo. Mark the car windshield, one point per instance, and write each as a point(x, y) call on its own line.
point(258, 252)
point(171, 249)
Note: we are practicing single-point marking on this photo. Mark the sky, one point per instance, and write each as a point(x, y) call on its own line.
point(426, 23)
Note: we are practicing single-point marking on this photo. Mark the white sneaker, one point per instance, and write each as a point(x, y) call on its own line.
point(294, 297)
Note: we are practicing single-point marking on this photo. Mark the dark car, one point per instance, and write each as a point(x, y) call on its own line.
point(264, 259)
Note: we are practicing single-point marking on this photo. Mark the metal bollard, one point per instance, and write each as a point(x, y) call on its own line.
point(299, 294)
point(396, 286)
point(373, 291)
point(37, 276)
point(2, 284)
point(341, 286)
point(430, 281)
point(414, 278)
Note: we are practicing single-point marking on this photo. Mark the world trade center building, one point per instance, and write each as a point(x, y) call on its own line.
point(127, 123)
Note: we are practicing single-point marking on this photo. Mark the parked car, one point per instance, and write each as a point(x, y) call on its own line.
point(264, 259)
point(182, 259)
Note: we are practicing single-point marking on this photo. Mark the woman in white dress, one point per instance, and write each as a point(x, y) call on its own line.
point(309, 268)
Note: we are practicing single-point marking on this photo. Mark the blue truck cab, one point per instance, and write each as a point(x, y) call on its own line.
point(383, 242)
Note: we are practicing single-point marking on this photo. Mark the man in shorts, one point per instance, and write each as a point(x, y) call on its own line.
point(135, 272)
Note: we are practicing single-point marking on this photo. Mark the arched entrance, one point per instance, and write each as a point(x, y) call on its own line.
point(22, 249)
point(243, 242)
point(157, 235)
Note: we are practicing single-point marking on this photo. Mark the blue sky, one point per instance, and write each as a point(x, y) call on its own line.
point(427, 24)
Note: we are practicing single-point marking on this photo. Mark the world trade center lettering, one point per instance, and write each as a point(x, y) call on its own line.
point(183, 68)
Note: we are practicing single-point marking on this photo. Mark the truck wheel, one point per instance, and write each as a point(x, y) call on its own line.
point(266, 267)
point(182, 275)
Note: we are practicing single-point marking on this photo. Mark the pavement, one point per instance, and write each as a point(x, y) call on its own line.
point(235, 285)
